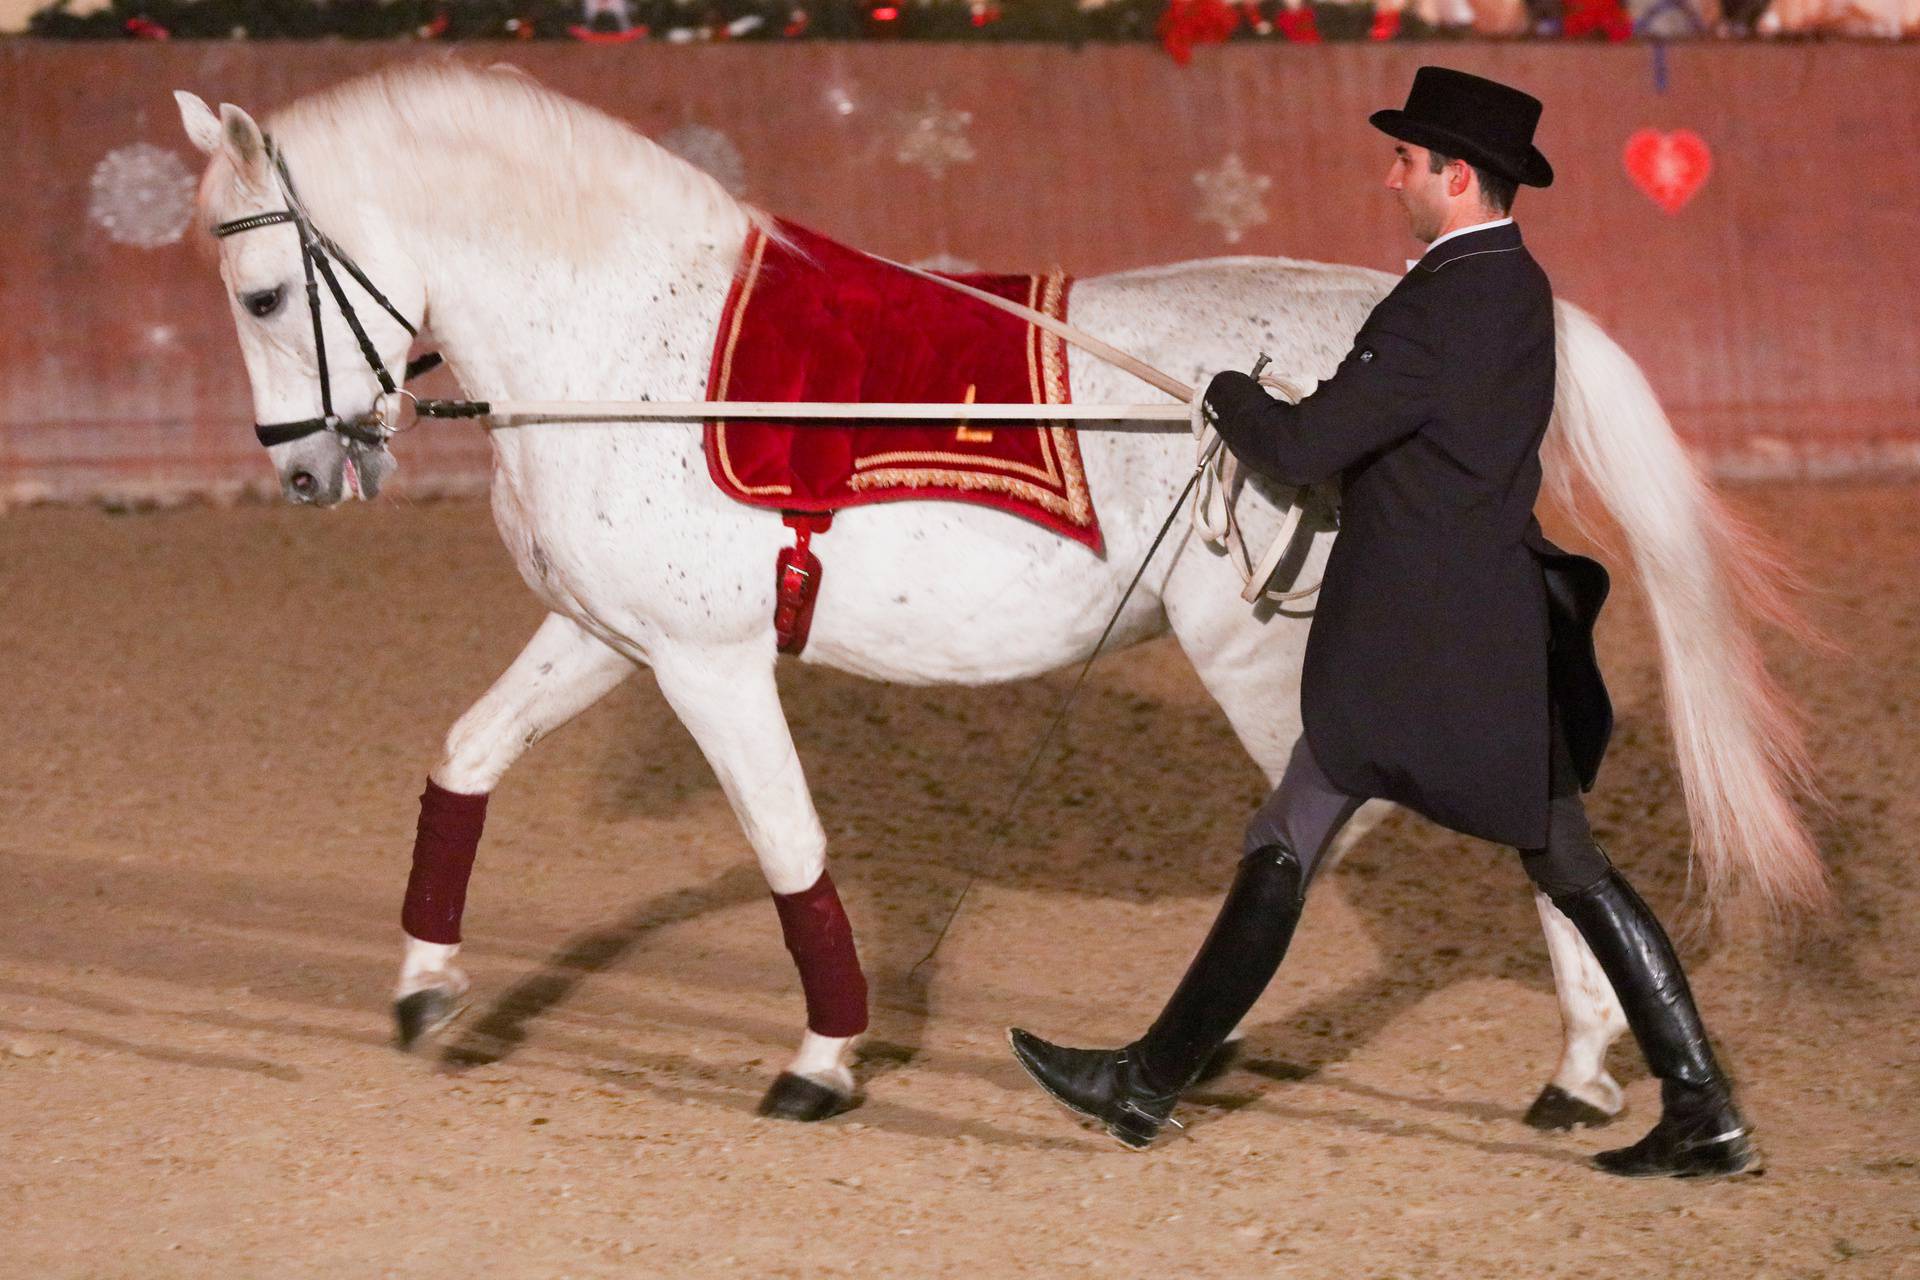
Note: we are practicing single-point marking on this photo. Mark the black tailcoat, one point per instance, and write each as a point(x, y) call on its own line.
point(1448, 626)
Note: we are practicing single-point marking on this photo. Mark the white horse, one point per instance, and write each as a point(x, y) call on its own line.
point(558, 254)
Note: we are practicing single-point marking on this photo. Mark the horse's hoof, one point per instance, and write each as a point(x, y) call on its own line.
point(1556, 1109)
point(424, 1014)
point(1224, 1059)
point(793, 1097)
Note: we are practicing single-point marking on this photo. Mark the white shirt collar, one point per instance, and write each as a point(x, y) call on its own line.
point(1478, 226)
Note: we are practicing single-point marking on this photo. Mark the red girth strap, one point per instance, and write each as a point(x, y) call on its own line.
point(797, 579)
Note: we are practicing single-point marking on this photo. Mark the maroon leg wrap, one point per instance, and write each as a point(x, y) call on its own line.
point(442, 862)
point(821, 940)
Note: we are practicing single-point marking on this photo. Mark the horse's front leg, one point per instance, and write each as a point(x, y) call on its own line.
point(728, 701)
point(1581, 1092)
point(560, 673)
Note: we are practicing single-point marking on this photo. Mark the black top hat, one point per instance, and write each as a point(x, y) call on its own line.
point(1480, 121)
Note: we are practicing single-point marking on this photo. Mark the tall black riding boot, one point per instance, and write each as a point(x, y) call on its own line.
point(1132, 1090)
point(1701, 1134)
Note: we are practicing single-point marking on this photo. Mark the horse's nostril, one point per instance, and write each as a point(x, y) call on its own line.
point(302, 481)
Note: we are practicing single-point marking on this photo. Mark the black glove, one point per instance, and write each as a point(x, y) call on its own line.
point(1230, 395)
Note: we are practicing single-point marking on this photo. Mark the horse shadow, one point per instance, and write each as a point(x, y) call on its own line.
point(506, 1021)
point(1141, 799)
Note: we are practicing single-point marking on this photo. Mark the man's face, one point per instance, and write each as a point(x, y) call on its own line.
point(1421, 192)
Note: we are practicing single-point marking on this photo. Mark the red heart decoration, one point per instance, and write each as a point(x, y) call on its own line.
point(1670, 167)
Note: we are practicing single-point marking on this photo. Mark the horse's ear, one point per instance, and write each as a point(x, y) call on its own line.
point(202, 126)
point(246, 146)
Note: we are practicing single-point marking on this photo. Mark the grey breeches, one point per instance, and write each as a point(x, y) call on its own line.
point(1306, 811)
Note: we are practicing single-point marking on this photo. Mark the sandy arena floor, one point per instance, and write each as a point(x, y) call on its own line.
point(217, 723)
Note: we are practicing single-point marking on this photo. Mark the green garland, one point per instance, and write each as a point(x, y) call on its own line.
point(1049, 21)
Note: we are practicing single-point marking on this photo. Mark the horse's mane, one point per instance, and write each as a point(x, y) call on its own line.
point(448, 143)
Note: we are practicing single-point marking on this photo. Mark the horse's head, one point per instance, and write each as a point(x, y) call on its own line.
point(313, 388)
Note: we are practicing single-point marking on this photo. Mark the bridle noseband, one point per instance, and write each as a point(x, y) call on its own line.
point(318, 253)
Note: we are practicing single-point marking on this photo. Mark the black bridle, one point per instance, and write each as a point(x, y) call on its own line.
point(318, 254)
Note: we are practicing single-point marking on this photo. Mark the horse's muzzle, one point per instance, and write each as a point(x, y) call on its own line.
point(327, 469)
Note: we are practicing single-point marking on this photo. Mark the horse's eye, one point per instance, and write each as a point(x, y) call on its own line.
point(262, 302)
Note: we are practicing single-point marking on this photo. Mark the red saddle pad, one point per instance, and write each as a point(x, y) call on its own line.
point(810, 319)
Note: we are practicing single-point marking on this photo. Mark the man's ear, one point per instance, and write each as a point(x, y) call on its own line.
point(1459, 177)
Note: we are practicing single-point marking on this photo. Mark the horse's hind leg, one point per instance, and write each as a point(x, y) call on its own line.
point(729, 702)
point(560, 673)
point(1581, 1092)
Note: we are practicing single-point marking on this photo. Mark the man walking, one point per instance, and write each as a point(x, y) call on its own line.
point(1450, 665)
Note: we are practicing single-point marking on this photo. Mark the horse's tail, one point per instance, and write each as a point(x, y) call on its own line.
point(1743, 760)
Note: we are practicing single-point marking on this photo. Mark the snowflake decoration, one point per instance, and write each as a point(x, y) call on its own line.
point(142, 196)
point(711, 150)
point(933, 138)
point(1230, 196)
point(948, 264)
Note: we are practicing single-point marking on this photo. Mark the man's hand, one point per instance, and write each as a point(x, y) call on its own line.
point(1231, 394)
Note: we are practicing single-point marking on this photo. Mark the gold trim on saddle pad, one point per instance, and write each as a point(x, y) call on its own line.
point(726, 373)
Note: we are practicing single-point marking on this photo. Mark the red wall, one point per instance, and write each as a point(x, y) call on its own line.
point(1774, 314)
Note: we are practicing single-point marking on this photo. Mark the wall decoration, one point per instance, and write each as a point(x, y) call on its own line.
point(1178, 25)
point(1670, 167)
point(933, 137)
point(142, 195)
point(1186, 23)
point(1231, 198)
